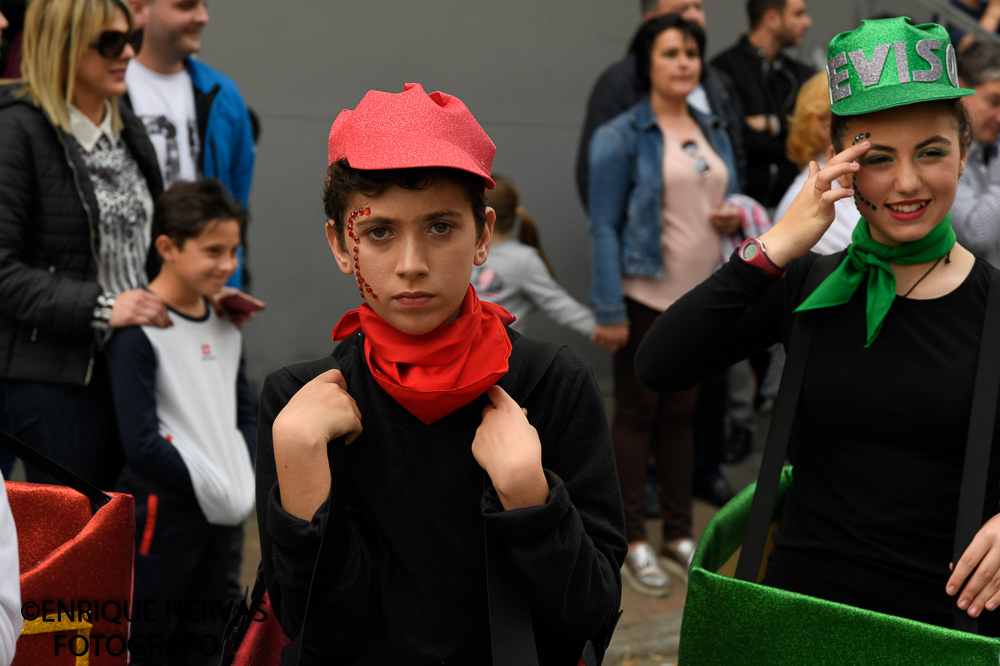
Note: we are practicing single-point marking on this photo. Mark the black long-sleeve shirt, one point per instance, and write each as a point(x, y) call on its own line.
point(770, 88)
point(879, 437)
point(412, 588)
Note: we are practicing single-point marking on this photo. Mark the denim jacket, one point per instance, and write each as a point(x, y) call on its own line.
point(626, 201)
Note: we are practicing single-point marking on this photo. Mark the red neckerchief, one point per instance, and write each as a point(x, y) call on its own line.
point(433, 374)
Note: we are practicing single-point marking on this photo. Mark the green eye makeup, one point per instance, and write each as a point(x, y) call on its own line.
point(854, 178)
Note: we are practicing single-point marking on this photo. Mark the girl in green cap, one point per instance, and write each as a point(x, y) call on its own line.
point(880, 432)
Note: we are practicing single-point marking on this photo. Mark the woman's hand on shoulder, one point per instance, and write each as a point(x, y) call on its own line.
point(610, 336)
point(320, 412)
point(139, 307)
point(508, 449)
point(979, 569)
point(812, 211)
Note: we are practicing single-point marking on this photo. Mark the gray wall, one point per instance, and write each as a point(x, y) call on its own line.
point(523, 67)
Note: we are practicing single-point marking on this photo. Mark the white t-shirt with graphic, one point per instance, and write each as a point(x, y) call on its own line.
point(165, 104)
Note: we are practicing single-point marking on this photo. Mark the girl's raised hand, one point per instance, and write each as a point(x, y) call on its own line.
point(812, 211)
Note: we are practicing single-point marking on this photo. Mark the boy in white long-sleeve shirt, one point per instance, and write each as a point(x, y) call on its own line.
point(188, 428)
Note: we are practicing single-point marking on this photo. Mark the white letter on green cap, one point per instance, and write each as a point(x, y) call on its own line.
point(949, 56)
point(869, 71)
point(902, 63)
point(925, 49)
point(838, 92)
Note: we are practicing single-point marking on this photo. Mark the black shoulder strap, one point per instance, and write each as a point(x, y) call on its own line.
point(776, 449)
point(336, 451)
point(529, 361)
point(240, 618)
point(308, 370)
point(40, 461)
point(511, 634)
point(972, 495)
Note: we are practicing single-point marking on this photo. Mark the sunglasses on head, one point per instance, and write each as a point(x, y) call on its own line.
point(111, 43)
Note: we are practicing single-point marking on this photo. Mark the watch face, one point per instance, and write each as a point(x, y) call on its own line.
point(749, 250)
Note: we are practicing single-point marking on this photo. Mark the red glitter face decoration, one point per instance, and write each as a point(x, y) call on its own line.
point(363, 286)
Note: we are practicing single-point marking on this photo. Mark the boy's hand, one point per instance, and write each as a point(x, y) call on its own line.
point(508, 448)
point(139, 307)
point(320, 412)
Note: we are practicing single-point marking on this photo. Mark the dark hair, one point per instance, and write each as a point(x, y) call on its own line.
point(187, 208)
point(642, 43)
point(343, 181)
point(979, 63)
point(838, 124)
point(757, 8)
point(505, 200)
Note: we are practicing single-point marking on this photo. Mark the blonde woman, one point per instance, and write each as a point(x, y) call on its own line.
point(809, 139)
point(77, 183)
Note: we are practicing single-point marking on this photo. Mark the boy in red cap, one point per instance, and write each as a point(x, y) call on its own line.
point(416, 399)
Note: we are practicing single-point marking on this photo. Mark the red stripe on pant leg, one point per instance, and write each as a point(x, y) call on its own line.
point(147, 531)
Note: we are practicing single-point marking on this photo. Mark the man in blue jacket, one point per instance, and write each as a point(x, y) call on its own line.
point(194, 114)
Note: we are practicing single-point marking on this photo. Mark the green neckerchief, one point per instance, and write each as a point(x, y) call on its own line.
point(867, 257)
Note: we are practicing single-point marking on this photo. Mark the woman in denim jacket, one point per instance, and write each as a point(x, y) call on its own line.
point(659, 174)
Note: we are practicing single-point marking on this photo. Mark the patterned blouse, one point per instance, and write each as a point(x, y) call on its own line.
point(126, 207)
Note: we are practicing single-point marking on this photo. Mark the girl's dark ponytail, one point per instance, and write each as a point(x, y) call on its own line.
point(506, 203)
point(528, 234)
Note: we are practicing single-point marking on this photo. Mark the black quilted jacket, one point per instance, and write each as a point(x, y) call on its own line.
point(48, 244)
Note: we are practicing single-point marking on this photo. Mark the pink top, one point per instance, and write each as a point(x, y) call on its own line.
point(691, 245)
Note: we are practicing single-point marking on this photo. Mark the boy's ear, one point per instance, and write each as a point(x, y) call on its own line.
point(166, 248)
point(343, 259)
point(485, 238)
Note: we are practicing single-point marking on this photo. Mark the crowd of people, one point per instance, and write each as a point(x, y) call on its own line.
point(124, 183)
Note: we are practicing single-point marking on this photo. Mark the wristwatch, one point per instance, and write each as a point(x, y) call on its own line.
point(752, 251)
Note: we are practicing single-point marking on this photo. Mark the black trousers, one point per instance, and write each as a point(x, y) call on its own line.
point(179, 592)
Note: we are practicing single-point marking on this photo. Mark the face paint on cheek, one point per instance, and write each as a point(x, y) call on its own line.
point(854, 178)
point(363, 286)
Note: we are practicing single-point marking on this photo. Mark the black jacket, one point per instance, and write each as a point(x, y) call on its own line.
point(48, 244)
point(765, 87)
point(409, 585)
point(617, 90)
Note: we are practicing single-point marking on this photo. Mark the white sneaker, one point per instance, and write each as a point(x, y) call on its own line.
point(643, 571)
point(678, 560)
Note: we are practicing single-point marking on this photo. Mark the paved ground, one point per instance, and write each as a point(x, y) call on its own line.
point(649, 631)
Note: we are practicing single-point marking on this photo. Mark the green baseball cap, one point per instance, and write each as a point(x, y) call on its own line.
point(891, 62)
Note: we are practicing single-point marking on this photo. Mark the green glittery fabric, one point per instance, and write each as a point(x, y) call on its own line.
point(728, 621)
point(890, 62)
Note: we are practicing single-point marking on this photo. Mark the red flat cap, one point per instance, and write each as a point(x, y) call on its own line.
point(411, 129)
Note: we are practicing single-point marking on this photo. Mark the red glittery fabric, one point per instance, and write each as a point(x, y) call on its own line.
point(67, 555)
point(433, 374)
point(264, 640)
point(411, 129)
